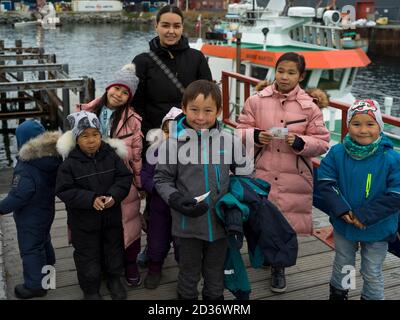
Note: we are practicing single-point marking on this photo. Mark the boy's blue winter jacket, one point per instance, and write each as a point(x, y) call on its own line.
point(370, 188)
point(32, 194)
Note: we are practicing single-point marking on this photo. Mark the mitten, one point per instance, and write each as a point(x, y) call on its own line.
point(235, 239)
point(186, 205)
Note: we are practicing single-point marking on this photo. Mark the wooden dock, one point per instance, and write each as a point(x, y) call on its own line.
point(308, 280)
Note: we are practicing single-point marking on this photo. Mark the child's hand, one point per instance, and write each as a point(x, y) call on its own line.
point(290, 139)
point(108, 202)
point(348, 217)
point(357, 223)
point(265, 137)
point(98, 203)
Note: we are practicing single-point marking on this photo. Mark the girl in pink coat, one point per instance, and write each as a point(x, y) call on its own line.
point(288, 131)
point(118, 120)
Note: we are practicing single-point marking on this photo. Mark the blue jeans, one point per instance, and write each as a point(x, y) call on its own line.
point(372, 256)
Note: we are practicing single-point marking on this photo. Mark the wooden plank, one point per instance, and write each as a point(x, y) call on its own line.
point(14, 57)
point(32, 67)
point(43, 85)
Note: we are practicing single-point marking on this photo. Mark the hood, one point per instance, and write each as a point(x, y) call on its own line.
point(386, 143)
point(155, 46)
point(66, 143)
point(28, 130)
point(298, 94)
point(88, 106)
point(41, 151)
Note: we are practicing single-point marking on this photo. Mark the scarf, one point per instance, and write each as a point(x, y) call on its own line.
point(358, 151)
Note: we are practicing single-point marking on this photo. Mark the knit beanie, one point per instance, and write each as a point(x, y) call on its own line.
point(28, 130)
point(126, 77)
point(79, 121)
point(367, 106)
point(171, 115)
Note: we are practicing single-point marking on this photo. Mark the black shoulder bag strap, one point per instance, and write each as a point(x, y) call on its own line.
point(167, 71)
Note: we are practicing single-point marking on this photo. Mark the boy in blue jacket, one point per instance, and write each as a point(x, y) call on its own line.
point(32, 199)
point(360, 181)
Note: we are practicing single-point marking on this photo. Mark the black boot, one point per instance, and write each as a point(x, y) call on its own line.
point(207, 298)
point(337, 294)
point(116, 288)
point(22, 292)
point(278, 280)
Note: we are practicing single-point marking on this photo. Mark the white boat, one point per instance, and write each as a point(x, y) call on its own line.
point(268, 32)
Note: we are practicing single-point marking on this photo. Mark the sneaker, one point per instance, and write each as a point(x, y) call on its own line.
point(92, 296)
point(134, 282)
point(278, 280)
point(116, 288)
point(22, 292)
point(337, 294)
point(152, 280)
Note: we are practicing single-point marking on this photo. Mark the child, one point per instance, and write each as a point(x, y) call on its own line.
point(285, 160)
point(32, 200)
point(118, 120)
point(200, 237)
point(360, 181)
point(159, 227)
point(92, 182)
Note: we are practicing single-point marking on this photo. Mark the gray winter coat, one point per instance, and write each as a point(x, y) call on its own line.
point(209, 173)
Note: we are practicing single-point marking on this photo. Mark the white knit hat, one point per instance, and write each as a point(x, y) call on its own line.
point(171, 115)
point(367, 106)
point(127, 78)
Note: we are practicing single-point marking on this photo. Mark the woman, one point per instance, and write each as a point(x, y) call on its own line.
point(157, 93)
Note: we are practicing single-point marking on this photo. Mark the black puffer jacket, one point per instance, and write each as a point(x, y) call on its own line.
point(81, 179)
point(156, 93)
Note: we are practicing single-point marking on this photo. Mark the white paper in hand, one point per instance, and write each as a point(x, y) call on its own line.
point(202, 197)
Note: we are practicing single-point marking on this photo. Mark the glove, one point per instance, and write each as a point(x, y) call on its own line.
point(235, 239)
point(186, 205)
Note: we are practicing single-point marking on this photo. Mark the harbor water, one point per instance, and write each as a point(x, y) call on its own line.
point(97, 51)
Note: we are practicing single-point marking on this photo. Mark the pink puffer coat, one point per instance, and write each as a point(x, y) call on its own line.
point(128, 130)
point(289, 172)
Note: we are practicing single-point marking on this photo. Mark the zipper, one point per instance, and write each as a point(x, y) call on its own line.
point(368, 185)
point(217, 177)
point(295, 121)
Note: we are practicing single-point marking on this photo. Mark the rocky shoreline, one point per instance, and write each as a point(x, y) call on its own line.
point(142, 18)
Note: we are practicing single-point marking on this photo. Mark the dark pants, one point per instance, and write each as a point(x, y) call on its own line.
point(131, 253)
point(35, 246)
point(199, 257)
point(93, 246)
point(159, 230)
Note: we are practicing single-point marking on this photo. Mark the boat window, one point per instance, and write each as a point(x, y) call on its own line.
point(259, 72)
point(331, 79)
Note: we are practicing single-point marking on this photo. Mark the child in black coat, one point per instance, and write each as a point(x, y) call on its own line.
point(92, 182)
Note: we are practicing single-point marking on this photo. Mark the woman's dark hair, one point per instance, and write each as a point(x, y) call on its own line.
point(204, 87)
point(294, 57)
point(115, 117)
point(166, 9)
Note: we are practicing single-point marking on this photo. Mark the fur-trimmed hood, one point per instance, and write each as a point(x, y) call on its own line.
point(67, 142)
point(43, 145)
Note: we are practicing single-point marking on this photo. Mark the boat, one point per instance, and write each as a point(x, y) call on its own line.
point(265, 33)
point(46, 17)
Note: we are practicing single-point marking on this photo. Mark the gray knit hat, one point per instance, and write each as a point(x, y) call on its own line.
point(79, 121)
point(127, 78)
